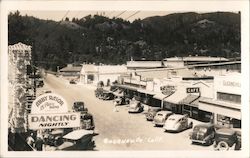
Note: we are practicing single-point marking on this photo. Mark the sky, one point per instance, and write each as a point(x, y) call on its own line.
point(59, 15)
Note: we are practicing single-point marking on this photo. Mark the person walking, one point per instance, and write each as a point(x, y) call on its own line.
point(39, 144)
point(115, 106)
point(30, 140)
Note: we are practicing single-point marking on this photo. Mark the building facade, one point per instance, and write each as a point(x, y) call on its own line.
point(226, 103)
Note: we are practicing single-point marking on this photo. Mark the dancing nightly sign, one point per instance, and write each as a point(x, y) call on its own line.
point(50, 111)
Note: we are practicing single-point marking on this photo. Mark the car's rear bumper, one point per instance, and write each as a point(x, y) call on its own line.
point(198, 141)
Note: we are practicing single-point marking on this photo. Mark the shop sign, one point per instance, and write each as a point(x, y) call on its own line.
point(231, 84)
point(49, 103)
point(193, 90)
point(167, 90)
point(51, 121)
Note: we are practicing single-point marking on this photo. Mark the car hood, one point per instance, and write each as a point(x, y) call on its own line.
point(65, 145)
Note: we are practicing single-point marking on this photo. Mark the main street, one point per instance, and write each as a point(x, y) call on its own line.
point(119, 130)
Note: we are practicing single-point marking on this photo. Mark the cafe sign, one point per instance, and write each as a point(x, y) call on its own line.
point(193, 90)
point(50, 111)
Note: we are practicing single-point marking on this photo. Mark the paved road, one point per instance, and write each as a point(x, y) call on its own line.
point(120, 130)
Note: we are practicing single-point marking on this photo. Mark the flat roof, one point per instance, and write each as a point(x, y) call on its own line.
point(196, 58)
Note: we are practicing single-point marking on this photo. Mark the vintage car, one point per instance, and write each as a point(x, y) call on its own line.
point(226, 139)
point(78, 140)
point(72, 81)
point(39, 83)
point(203, 133)
point(121, 100)
point(87, 121)
point(78, 106)
point(98, 92)
point(161, 117)
point(135, 107)
point(55, 137)
point(106, 95)
point(177, 123)
point(150, 114)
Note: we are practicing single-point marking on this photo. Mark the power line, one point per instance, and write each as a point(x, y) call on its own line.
point(132, 15)
point(120, 14)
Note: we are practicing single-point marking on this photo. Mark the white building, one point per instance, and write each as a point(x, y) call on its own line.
point(226, 103)
point(191, 60)
point(93, 74)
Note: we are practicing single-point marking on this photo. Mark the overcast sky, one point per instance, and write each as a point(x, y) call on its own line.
point(127, 15)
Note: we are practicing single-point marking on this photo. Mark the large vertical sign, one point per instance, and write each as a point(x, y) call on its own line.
point(19, 57)
point(50, 111)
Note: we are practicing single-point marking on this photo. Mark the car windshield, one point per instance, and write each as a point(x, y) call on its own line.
point(200, 129)
point(159, 114)
point(171, 119)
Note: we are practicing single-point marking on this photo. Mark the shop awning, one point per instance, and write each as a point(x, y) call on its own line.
point(78, 134)
point(176, 97)
point(220, 107)
point(190, 100)
point(127, 87)
point(159, 96)
point(146, 91)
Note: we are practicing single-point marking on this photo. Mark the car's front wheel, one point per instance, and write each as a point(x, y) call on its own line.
point(222, 146)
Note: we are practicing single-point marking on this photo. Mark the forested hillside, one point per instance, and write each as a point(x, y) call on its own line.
point(98, 39)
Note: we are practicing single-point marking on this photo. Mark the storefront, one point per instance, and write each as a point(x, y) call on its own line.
point(226, 105)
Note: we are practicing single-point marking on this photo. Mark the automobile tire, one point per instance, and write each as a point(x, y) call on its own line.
point(222, 146)
point(191, 125)
point(209, 142)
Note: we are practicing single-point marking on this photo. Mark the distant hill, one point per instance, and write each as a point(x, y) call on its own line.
point(98, 39)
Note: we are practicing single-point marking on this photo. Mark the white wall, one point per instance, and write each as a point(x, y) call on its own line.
point(230, 83)
point(174, 63)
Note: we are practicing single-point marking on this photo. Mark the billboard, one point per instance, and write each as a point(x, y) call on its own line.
point(51, 121)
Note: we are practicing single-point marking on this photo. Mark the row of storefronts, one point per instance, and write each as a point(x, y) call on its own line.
point(216, 99)
point(211, 93)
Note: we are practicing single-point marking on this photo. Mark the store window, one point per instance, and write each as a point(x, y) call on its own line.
point(228, 121)
point(229, 97)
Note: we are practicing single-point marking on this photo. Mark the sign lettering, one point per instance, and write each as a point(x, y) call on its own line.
point(49, 103)
point(48, 121)
point(193, 90)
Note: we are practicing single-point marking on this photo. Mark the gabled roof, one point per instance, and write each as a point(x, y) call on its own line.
point(71, 69)
point(89, 68)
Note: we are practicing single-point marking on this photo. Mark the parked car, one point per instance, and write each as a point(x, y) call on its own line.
point(121, 100)
point(151, 113)
point(177, 123)
point(39, 83)
point(55, 137)
point(98, 92)
point(87, 121)
point(78, 106)
point(203, 133)
point(161, 117)
point(226, 139)
point(78, 140)
point(135, 107)
point(107, 95)
point(47, 91)
point(72, 81)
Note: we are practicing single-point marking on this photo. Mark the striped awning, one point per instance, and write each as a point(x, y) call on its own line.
point(159, 96)
point(176, 97)
point(191, 100)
